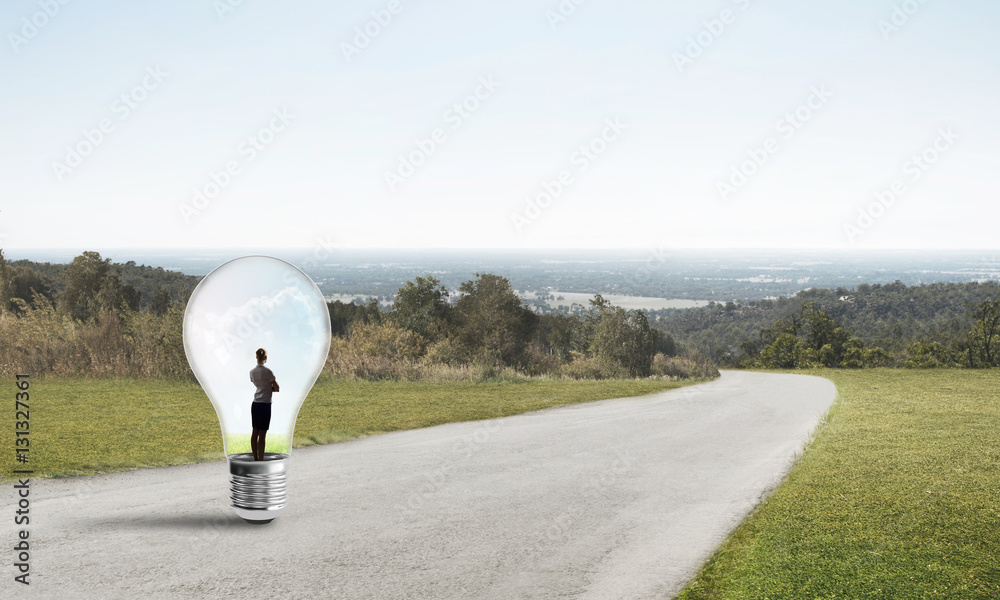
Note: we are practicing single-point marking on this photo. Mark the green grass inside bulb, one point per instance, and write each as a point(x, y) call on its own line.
point(237, 443)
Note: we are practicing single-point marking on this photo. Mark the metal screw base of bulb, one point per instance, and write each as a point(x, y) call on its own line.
point(258, 488)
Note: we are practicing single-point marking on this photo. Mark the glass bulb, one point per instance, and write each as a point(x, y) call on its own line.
point(245, 304)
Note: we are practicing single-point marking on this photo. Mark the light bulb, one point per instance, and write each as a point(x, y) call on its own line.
point(245, 304)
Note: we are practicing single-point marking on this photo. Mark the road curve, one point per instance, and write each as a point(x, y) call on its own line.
point(613, 499)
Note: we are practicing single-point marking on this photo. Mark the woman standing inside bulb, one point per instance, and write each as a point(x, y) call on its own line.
point(260, 409)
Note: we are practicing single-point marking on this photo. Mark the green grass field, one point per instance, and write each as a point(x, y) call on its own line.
point(898, 497)
point(83, 426)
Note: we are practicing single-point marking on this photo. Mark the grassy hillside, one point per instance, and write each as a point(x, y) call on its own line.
point(81, 426)
point(896, 498)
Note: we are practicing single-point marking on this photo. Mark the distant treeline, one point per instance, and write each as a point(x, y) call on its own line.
point(92, 317)
point(139, 286)
point(930, 325)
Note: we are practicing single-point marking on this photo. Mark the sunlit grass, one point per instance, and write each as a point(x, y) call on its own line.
point(898, 497)
point(238, 443)
point(81, 426)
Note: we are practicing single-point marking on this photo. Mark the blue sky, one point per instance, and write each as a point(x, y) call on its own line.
point(256, 107)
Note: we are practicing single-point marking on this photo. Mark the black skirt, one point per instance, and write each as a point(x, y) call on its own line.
point(260, 413)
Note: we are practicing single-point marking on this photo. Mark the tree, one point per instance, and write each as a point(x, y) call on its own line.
point(854, 354)
point(93, 286)
point(982, 344)
point(824, 335)
point(492, 323)
point(623, 338)
point(750, 353)
point(5, 283)
point(823, 342)
point(665, 343)
point(421, 306)
point(786, 352)
point(561, 334)
point(343, 315)
point(160, 302)
point(791, 325)
point(373, 314)
point(26, 284)
point(599, 303)
point(930, 355)
point(21, 282)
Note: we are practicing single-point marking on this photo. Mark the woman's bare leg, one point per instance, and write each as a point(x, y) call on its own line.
point(254, 436)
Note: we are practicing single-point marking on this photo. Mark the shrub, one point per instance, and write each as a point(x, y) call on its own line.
point(929, 355)
point(446, 352)
point(698, 366)
point(623, 340)
point(786, 352)
point(386, 339)
point(857, 356)
point(492, 371)
point(592, 368)
point(38, 340)
point(372, 368)
point(540, 362)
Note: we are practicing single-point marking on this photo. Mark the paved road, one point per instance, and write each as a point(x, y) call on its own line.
point(616, 499)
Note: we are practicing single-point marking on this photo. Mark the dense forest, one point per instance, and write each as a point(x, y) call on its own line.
point(139, 286)
point(936, 324)
point(94, 317)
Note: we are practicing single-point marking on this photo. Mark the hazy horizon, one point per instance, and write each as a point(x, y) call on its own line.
point(450, 249)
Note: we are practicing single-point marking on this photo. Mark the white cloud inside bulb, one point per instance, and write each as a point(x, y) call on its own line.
point(250, 303)
point(239, 322)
